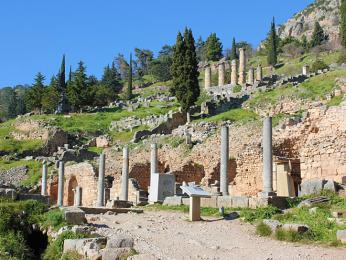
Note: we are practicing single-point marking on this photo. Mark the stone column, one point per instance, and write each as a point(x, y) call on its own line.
point(251, 79)
point(61, 184)
point(267, 156)
point(101, 182)
point(125, 175)
point(153, 160)
point(207, 77)
point(259, 73)
point(224, 160)
point(234, 73)
point(242, 66)
point(221, 74)
point(44, 179)
point(305, 70)
point(78, 197)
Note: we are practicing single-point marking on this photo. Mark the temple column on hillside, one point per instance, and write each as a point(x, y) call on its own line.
point(305, 70)
point(259, 73)
point(61, 183)
point(207, 77)
point(267, 157)
point(101, 182)
point(78, 196)
point(125, 175)
point(234, 73)
point(251, 79)
point(153, 168)
point(44, 179)
point(221, 73)
point(242, 66)
point(224, 160)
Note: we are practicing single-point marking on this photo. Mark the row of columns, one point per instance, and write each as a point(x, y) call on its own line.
point(224, 167)
point(236, 78)
point(267, 177)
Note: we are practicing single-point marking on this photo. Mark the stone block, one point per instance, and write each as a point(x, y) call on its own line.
point(74, 216)
point(224, 201)
point(311, 186)
point(119, 241)
point(300, 228)
point(83, 244)
point(186, 201)
point(162, 186)
point(143, 257)
point(240, 202)
point(341, 235)
point(313, 210)
point(173, 201)
point(115, 253)
point(273, 224)
point(330, 185)
point(209, 202)
point(339, 214)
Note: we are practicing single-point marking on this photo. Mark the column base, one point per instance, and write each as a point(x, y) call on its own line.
point(266, 194)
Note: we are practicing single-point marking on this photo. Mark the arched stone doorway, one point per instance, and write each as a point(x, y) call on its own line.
point(71, 186)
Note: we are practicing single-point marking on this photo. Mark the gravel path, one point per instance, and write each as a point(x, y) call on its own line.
point(168, 235)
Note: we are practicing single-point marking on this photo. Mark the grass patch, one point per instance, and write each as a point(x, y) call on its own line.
point(263, 230)
point(95, 149)
point(252, 215)
point(237, 89)
point(234, 115)
point(335, 101)
point(54, 218)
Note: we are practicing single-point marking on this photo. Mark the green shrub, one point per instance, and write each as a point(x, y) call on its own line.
point(54, 218)
point(290, 235)
point(55, 248)
point(237, 89)
point(72, 255)
point(318, 65)
point(342, 58)
point(263, 230)
point(250, 215)
point(13, 245)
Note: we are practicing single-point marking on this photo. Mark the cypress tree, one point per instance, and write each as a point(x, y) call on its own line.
point(343, 23)
point(77, 91)
point(233, 55)
point(129, 83)
point(272, 45)
point(318, 35)
point(61, 76)
point(35, 94)
point(185, 71)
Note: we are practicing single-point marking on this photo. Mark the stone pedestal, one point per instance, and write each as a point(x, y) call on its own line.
point(44, 179)
point(125, 175)
point(101, 182)
point(161, 186)
point(234, 73)
point(195, 209)
point(221, 74)
point(224, 160)
point(267, 156)
point(305, 70)
point(259, 73)
point(251, 76)
point(207, 77)
point(78, 197)
point(61, 184)
point(242, 66)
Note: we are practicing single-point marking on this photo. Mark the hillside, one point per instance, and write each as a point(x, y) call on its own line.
point(326, 12)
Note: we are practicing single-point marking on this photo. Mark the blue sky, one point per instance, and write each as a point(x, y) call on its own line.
point(35, 33)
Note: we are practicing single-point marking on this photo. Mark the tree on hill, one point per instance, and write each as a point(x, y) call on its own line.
point(61, 87)
point(272, 45)
point(305, 43)
point(185, 71)
point(35, 94)
point(343, 23)
point(213, 48)
point(122, 66)
point(160, 68)
point(51, 96)
point(111, 78)
point(128, 94)
point(233, 54)
point(318, 36)
point(144, 58)
point(77, 91)
point(200, 46)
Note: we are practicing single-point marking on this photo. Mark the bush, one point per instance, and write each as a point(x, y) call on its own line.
point(54, 218)
point(72, 255)
point(290, 235)
point(318, 65)
point(342, 58)
point(260, 213)
point(13, 244)
point(55, 248)
point(237, 89)
point(263, 230)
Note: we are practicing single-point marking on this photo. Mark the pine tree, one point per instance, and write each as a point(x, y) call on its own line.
point(111, 78)
point(343, 23)
point(129, 82)
point(185, 71)
point(305, 43)
point(318, 36)
point(213, 48)
point(200, 49)
point(77, 91)
point(35, 94)
point(272, 45)
point(51, 96)
point(233, 54)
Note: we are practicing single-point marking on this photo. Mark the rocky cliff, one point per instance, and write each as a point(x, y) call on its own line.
point(326, 12)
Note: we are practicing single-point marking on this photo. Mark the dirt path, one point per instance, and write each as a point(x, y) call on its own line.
point(167, 235)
